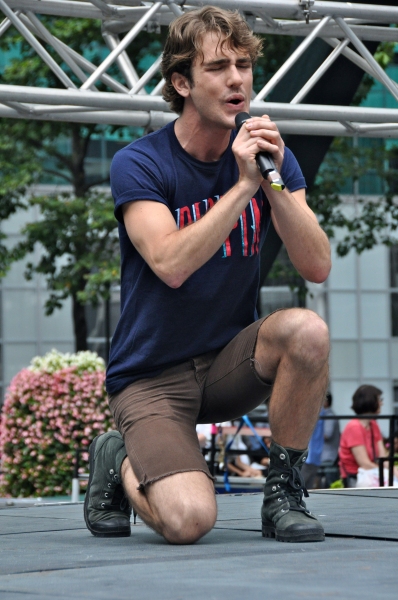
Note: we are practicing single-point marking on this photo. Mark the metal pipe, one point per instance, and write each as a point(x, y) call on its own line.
point(105, 78)
point(153, 69)
point(174, 8)
point(122, 46)
point(276, 78)
point(6, 23)
point(158, 89)
point(390, 85)
point(80, 60)
point(352, 56)
point(117, 101)
point(42, 52)
point(319, 72)
point(156, 119)
point(124, 62)
point(54, 42)
point(391, 451)
point(107, 10)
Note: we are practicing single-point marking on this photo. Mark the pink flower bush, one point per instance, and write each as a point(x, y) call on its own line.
point(52, 408)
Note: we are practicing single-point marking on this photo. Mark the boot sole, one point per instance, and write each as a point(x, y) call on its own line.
point(117, 532)
point(313, 535)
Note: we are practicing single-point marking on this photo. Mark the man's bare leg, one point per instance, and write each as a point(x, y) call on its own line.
point(180, 507)
point(292, 350)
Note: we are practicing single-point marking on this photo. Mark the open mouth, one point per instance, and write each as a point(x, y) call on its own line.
point(235, 100)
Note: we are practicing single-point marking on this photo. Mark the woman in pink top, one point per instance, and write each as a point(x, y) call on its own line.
point(361, 442)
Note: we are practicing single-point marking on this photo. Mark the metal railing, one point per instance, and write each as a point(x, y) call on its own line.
point(214, 449)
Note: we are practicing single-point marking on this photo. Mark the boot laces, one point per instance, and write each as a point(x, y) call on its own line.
point(295, 487)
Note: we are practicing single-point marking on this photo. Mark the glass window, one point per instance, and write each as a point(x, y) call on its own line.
point(343, 315)
point(272, 298)
point(16, 357)
point(342, 275)
point(21, 308)
point(374, 315)
point(375, 360)
point(59, 325)
point(342, 392)
point(344, 359)
point(373, 268)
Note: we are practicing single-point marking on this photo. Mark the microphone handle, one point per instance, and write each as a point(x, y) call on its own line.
point(265, 163)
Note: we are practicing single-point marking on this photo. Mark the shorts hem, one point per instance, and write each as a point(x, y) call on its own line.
point(142, 485)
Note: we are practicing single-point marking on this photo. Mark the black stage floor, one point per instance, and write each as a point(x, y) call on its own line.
point(46, 552)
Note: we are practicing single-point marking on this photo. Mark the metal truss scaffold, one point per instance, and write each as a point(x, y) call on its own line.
point(343, 25)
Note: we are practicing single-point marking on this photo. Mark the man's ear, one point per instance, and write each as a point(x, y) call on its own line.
point(181, 85)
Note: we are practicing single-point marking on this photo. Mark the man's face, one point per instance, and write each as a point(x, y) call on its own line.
point(222, 83)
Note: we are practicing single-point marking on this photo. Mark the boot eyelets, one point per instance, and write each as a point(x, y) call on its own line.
point(280, 499)
point(106, 494)
point(274, 488)
point(284, 510)
point(282, 456)
point(102, 504)
point(111, 471)
point(109, 485)
point(304, 458)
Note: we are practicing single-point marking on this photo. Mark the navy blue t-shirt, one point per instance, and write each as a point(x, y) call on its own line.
point(160, 326)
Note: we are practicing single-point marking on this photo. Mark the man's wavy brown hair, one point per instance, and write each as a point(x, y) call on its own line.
point(184, 44)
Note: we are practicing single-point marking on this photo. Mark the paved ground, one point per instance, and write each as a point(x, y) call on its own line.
point(46, 552)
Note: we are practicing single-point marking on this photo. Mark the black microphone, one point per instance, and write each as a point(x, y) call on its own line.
point(263, 159)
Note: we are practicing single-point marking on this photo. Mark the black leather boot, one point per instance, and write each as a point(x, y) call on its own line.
point(284, 513)
point(106, 508)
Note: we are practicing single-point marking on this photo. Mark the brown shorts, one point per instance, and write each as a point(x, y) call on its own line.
point(157, 416)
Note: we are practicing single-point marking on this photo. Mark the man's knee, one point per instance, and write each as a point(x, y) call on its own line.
point(189, 521)
point(300, 333)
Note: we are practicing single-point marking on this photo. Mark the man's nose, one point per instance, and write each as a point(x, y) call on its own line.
point(234, 76)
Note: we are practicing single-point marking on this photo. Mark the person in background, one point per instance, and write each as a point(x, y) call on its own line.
point(331, 441)
point(361, 442)
point(315, 447)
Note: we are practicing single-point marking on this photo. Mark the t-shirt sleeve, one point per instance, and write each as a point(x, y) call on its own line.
point(354, 435)
point(291, 172)
point(134, 175)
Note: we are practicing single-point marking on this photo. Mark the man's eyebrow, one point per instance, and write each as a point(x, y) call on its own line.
point(221, 61)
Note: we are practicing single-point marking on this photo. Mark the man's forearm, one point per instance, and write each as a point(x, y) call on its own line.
point(306, 243)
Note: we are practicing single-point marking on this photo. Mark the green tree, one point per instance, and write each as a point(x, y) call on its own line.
point(77, 231)
point(79, 256)
point(372, 220)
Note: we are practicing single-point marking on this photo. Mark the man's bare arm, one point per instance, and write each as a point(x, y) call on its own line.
point(306, 243)
point(172, 253)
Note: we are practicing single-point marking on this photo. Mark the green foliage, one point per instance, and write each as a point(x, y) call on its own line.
point(78, 238)
point(17, 172)
point(54, 407)
point(369, 221)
